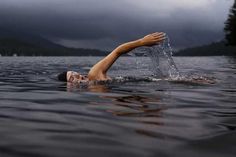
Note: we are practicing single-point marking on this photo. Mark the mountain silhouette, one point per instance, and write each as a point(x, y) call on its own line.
point(13, 42)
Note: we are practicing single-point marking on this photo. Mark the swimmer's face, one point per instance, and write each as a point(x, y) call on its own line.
point(75, 77)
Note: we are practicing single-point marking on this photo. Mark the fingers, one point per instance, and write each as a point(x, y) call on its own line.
point(154, 38)
point(160, 38)
point(158, 34)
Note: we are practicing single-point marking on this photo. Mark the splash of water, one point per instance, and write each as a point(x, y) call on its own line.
point(162, 63)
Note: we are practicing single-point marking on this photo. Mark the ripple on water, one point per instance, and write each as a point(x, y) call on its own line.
point(130, 116)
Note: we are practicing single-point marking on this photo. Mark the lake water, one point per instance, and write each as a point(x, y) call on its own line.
point(135, 115)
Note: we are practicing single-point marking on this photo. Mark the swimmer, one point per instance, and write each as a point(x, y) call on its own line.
point(99, 71)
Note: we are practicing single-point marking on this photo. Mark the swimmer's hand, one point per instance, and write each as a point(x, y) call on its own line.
point(153, 39)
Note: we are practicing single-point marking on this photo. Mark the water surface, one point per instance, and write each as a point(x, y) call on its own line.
point(135, 115)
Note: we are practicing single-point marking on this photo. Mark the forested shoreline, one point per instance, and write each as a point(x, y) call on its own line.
point(14, 47)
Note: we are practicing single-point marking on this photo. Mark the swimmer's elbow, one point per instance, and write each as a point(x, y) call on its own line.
point(120, 50)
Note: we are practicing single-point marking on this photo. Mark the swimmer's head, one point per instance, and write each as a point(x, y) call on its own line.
point(72, 76)
point(62, 76)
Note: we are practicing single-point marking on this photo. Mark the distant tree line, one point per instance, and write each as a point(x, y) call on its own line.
point(10, 47)
point(230, 26)
point(213, 49)
point(226, 47)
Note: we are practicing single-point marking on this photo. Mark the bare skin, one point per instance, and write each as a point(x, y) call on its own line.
point(99, 70)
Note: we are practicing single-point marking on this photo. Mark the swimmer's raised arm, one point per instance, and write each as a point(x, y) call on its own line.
point(99, 70)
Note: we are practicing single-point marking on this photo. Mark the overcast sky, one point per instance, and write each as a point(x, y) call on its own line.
point(105, 23)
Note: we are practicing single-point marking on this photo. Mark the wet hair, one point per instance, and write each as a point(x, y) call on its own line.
point(62, 76)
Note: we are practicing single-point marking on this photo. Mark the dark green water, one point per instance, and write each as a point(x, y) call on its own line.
point(136, 115)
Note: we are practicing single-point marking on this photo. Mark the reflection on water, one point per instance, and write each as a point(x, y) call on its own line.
point(136, 114)
point(135, 106)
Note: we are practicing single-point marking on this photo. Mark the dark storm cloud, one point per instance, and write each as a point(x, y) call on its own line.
point(103, 24)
